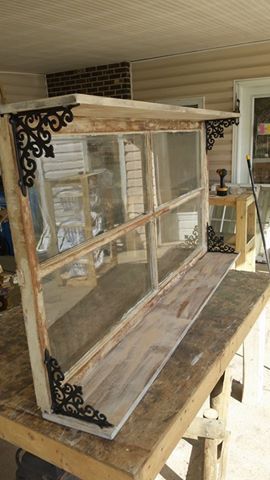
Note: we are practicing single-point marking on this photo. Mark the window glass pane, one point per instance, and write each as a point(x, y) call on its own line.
point(86, 298)
point(179, 234)
point(177, 164)
point(222, 219)
point(261, 140)
point(93, 184)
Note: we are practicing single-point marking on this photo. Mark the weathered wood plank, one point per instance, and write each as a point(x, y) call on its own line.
point(164, 414)
point(107, 126)
point(101, 107)
point(119, 381)
point(206, 428)
point(24, 246)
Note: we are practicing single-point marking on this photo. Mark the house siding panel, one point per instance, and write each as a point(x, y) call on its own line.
point(210, 74)
point(17, 87)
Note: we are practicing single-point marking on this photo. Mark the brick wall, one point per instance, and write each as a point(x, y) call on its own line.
point(112, 80)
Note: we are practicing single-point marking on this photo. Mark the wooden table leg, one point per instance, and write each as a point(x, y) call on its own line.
point(210, 450)
point(215, 451)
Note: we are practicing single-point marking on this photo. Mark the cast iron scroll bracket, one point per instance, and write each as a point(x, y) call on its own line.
point(32, 136)
point(215, 128)
point(216, 244)
point(67, 399)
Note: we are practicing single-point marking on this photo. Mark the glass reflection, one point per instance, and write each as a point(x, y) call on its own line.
point(86, 298)
point(177, 164)
point(93, 184)
point(179, 234)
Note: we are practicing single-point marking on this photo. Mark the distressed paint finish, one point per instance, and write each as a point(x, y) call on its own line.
point(119, 381)
point(85, 125)
point(97, 109)
point(24, 245)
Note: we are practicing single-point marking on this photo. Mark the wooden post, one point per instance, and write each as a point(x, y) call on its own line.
point(210, 451)
point(220, 395)
point(215, 450)
point(241, 226)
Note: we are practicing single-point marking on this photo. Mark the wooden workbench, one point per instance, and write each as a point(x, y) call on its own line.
point(157, 424)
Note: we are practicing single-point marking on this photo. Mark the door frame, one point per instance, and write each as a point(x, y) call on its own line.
point(246, 90)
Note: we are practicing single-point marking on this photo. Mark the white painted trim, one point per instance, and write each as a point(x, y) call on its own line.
point(245, 90)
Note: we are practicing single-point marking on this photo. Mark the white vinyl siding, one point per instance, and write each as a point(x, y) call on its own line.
point(17, 87)
point(208, 74)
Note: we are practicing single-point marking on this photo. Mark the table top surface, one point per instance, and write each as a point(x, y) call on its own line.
point(160, 420)
point(231, 199)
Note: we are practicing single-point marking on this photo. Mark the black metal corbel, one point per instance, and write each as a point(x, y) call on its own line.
point(216, 243)
point(215, 128)
point(32, 137)
point(67, 399)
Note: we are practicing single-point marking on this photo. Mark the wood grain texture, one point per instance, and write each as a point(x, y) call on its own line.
point(24, 246)
point(95, 107)
point(120, 380)
point(162, 417)
point(245, 235)
point(86, 125)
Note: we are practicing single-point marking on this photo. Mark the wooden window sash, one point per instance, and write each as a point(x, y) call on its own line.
point(72, 254)
point(133, 315)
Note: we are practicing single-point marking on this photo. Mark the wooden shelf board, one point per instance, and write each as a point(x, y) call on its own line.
point(102, 107)
point(118, 382)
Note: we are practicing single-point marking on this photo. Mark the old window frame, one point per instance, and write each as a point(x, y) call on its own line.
point(149, 218)
point(119, 117)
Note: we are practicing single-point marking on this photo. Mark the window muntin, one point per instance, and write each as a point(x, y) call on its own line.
point(153, 261)
point(177, 164)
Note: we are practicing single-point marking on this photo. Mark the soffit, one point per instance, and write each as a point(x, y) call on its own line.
point(44, 37)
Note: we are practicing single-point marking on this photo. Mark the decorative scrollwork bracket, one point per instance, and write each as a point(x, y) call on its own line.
point(216, 243)
point(32, 131)
point(67, 399)
point(215, 128)
point(192, 241)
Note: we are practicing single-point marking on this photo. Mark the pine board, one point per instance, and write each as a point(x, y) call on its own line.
point(97, 107)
